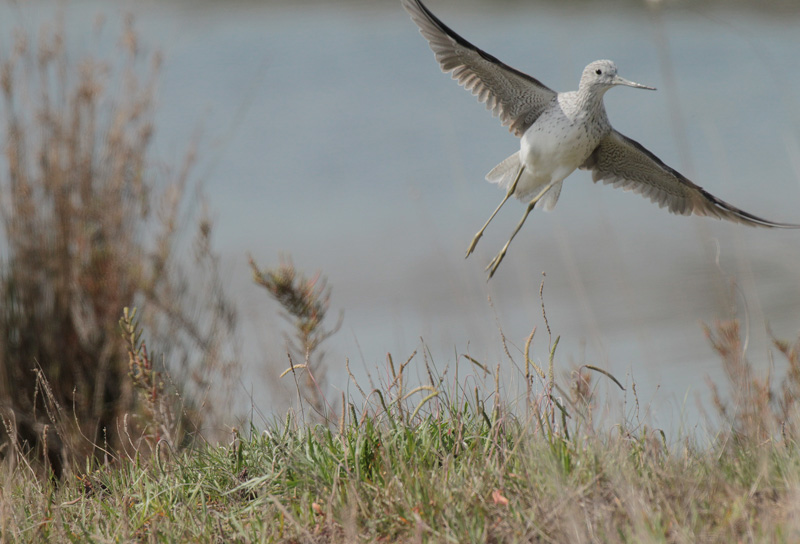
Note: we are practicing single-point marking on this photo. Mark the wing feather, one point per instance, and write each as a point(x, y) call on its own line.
point(516, 98)
point(625, 163)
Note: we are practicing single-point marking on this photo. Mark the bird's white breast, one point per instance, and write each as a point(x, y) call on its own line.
point(555, 145)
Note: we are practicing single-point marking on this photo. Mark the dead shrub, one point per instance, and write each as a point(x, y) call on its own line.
point(92, 224)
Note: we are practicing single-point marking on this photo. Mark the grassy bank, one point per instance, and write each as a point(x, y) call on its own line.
point(447, 466)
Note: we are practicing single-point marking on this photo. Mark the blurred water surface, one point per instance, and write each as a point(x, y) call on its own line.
point(329, 133)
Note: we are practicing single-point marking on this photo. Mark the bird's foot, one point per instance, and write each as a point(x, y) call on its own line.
point(492, 268)
point(474, 243)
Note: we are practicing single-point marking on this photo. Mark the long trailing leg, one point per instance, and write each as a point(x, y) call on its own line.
point(499, 257)
point(511, 189)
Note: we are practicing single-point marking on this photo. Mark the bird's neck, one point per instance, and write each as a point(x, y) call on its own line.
point(591, 98)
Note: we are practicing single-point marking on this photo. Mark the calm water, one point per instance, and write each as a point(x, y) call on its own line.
point(330, 134)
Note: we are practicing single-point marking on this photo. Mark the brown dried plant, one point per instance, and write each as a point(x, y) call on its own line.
point(161, 406)
point(789, 399)
point(305, 302)
point(754, 411)
point(89, 226)
point(748, 410)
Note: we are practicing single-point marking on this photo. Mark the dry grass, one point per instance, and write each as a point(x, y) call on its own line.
point(304, 303)
point(429, 464)
point(91, 225)
point(754, 411)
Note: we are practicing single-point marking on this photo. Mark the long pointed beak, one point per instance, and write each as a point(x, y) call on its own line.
point(622, 81)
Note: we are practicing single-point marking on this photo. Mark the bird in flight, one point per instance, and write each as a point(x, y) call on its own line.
point(560, 132)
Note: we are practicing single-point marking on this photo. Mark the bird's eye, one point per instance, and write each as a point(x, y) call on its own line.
point(598, 71)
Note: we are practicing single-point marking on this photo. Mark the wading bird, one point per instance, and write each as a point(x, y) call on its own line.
point(561, 132)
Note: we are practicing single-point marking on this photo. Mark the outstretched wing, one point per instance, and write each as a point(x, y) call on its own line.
point(516, 98)
point(625, 163)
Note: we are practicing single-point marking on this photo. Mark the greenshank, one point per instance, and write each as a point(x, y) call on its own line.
point(561, 132)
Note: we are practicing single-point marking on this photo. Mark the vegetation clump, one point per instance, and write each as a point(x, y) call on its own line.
point(403, 465)
point(91, 225)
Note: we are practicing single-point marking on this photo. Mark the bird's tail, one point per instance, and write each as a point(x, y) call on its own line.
point(504, 174)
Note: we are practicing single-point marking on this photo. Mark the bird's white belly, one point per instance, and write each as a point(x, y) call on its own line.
point(550, 152)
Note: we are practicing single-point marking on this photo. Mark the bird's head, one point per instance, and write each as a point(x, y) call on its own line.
point(602, 75)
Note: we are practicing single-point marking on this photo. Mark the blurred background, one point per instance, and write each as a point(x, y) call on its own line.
point(327, 132)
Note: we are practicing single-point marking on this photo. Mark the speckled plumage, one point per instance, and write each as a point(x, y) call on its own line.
point(561, 132)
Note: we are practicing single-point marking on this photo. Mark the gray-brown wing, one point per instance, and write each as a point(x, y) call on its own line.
point(516, 98)
point(625, 163)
